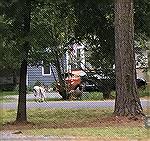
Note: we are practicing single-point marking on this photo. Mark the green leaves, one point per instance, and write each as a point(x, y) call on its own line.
point(55, 22)
point(51, 27)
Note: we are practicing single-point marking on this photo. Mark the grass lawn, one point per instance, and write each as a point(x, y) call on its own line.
point(4, 96)
point(97, 122)
point(101, 132)
point(8, 93)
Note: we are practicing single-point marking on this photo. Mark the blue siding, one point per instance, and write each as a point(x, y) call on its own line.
point(35, 74)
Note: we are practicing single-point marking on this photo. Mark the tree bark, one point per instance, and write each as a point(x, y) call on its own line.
point(21, 112)
point(127, 99)
point(62, 89)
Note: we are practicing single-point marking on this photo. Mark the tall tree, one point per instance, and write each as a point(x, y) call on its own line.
point(127, 99)
point(24, 19)
point(16, 15)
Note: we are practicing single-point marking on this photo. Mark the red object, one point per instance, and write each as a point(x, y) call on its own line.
point(73, 80)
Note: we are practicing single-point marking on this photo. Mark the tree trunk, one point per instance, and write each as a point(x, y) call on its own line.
point(127, 99)
point(21, 112)
point(62, 90)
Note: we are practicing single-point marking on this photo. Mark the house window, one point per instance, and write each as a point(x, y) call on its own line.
point(46, 70)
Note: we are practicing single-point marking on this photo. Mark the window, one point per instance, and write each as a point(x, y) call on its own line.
point(46, 70)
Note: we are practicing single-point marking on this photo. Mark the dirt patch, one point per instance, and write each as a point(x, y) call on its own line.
point(99, 122)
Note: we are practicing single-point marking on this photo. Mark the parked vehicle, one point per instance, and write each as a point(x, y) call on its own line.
point(93, 82)
point(141, 83)
point(72, 79)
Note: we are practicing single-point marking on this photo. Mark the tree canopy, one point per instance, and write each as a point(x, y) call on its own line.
point(95, 26)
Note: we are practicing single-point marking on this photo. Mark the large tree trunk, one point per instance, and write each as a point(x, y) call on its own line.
point(127, 99)
point(21, 112)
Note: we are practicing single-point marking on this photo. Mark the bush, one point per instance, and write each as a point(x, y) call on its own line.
point(53, 85)
point(7, 87)
point(92, 96)
point(29, 88)
point(38, 83)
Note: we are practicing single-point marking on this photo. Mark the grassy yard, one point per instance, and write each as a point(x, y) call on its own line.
point(101, 132)
point(5, 96)
point(8, 93)
point(59, 116)
point(97, 122)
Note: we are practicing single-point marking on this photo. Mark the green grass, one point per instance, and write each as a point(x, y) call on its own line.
point(4, 94)
point(47, 99)
point(144, 92)
point(93, 96)
point(104, 132)
point(5, 99)
point(99, 96)
point(59, 116)
point(42, 117)
point(8, 93)
point(7, 116)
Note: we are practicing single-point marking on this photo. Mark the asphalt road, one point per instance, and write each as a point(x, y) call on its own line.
point(65, 104)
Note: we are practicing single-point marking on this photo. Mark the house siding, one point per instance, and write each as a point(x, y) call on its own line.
point(34, 74)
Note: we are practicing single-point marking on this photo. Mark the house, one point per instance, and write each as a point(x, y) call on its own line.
point(74, 59)
point(40, 74)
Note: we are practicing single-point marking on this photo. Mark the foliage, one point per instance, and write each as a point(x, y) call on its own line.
point(95, 27)
point(38, 83)
point(142, 19)
point(51, 28)
point(10, 55)
point(8, 93)
point(54, 24)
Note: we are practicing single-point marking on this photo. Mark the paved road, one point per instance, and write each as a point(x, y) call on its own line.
point(9, 136)
point(68, 104)
point(63, 104)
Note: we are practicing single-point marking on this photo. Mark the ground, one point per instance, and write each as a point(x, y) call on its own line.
point(102, 119)
point(14, 130)
point(99, 122)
